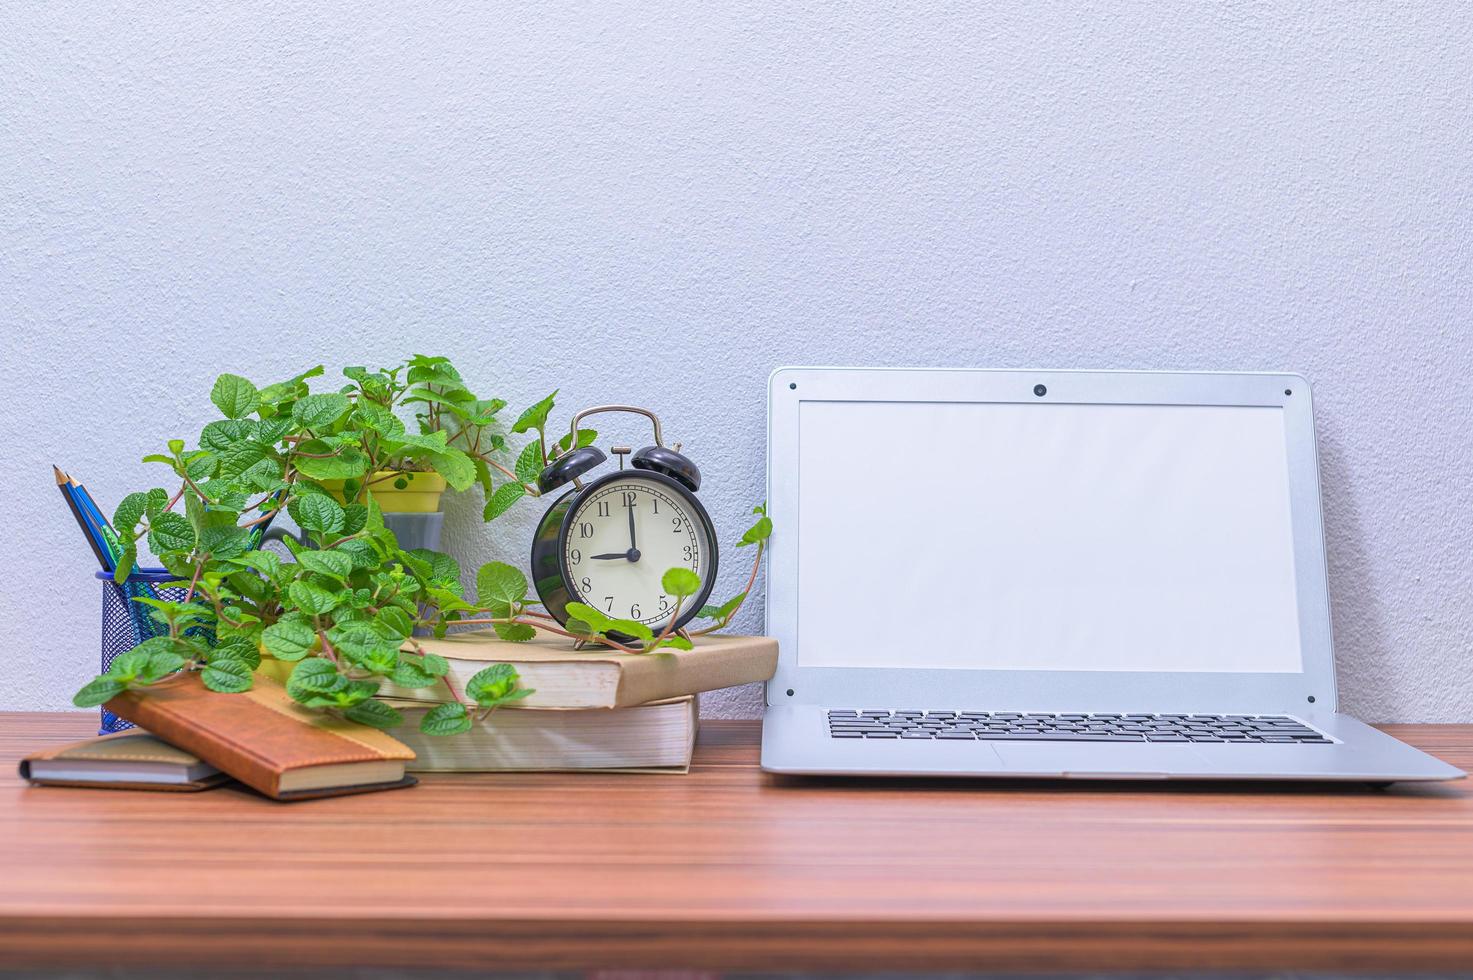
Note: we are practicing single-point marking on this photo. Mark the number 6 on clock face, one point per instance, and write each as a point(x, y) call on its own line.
point(610, 544)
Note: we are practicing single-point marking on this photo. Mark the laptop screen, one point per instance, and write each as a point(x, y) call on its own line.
point(1049, 536)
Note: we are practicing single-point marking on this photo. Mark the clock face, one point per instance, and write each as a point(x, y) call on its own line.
point(622, 538)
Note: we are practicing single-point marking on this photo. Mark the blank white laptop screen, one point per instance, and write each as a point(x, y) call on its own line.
point(1046, 536)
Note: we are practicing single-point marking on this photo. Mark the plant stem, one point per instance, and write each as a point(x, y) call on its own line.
point(198, 568)
point(615, 644)
point(264, 517)
point(449, 684)
point(532, 491)
point(746, 594)
point(669, 624)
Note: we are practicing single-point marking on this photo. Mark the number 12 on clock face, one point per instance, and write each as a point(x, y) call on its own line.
point(621, 536)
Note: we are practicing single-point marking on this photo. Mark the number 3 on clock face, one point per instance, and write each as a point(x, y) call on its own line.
point(619, 537)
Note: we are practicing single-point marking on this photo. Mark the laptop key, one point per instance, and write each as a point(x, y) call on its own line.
point(1039, 726)
point(1048, 737)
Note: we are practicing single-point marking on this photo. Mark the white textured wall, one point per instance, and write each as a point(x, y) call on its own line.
point(659, 202)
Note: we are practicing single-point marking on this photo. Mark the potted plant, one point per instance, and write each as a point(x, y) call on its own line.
point(452, 440)
point(338, 619)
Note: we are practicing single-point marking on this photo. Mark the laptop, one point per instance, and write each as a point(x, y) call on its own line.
point(1060, 574)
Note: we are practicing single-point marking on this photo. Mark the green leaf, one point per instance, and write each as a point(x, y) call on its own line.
point(424, 369)
point(394, 622)
point(375, 714)
point(500, 501)
point(170, 532)
point(354, 516)
point(360, 551)
point(483, 476)
point(241, 650)
point(169, 612)
point(757, 532)
point(681, 582)
point(379, 419)
point(317, 512)
point(631, 627)
point(133, 507)
point(222, 435)
point(677, 641)
point(285, 390)
point(127, 666)
point(268, 563)
point(413, 672)
point(242, 458)
point(585, 438)
point(529, 463)
point(589, 616)
point(287, 640)
point(97, 691)
point(227, 676)
point(413, 444)
point(443, 567)
point(446, 719)
point(161, 664)
point(126, 562)
point(313, 676)
point(455, 466)
point(490, 685)
point(536, 416)
point(514, 632)
point(313, 599)
point(499, 587)
point(234, 396)
point(726, 609)
point(320, 411)
point(333, 564)
point(271, 431)
point(346, 463)
point(200, 465)
point(365, 647)
point(226, 541)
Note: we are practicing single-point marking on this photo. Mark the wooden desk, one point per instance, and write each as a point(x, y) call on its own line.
point(728, 868)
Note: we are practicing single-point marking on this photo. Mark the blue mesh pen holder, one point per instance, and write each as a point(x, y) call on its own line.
point(125, 623)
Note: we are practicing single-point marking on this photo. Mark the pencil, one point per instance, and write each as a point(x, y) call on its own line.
point(111, 542)
point(93, 539)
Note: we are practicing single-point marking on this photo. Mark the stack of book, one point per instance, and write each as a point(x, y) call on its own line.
point(590, 709)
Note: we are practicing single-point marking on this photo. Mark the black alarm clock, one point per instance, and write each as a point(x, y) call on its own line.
point(608, 542)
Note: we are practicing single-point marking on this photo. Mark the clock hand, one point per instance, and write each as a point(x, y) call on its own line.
point(617, 554)
point(633, 545)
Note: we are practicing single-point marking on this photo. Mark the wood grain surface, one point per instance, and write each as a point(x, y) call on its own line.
point(728, 868)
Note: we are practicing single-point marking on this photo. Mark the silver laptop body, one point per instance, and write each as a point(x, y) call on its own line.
point(1070, 574)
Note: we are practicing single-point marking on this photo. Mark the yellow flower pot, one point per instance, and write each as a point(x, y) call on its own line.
point(277, 670)
point(419, 495)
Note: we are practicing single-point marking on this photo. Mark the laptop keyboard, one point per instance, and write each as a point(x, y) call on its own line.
point(1014, 726)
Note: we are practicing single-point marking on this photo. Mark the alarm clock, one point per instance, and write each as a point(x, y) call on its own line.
point(608, 542)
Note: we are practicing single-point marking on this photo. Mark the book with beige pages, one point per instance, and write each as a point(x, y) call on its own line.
point(654, 737)
point(562, 676)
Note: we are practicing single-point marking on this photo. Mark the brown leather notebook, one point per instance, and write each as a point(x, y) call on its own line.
point(122, 760)
point(267, 741)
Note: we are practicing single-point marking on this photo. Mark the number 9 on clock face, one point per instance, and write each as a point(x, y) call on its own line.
point(616, 539)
